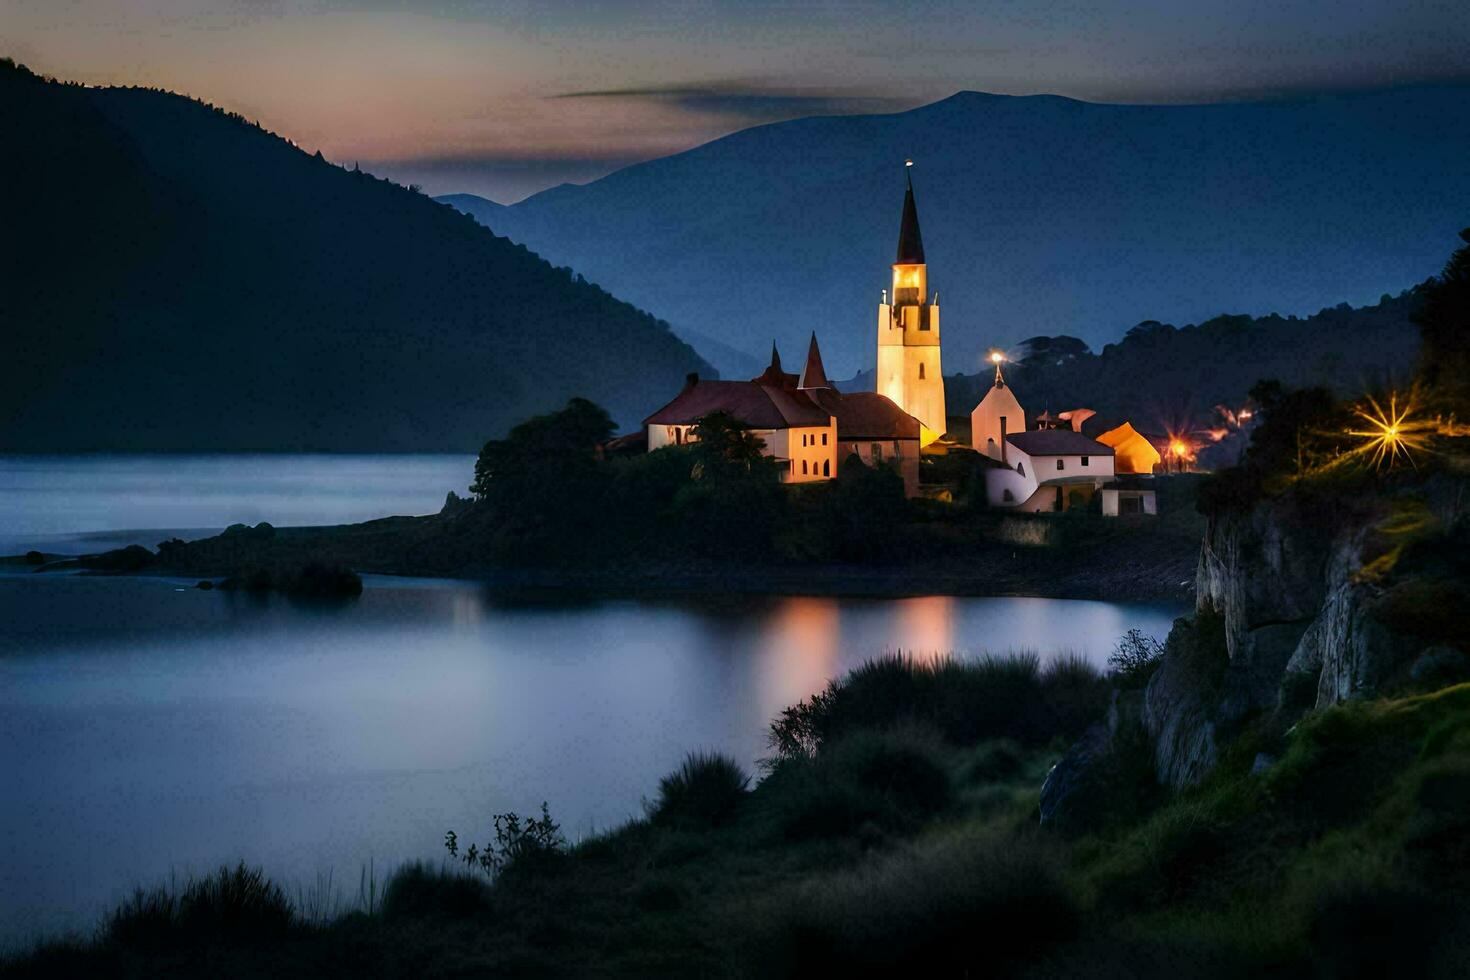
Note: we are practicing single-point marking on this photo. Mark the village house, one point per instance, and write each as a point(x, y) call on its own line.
point(1055, 467)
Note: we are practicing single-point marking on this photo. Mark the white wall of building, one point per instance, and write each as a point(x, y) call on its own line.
point(987, 434)
point(1034, 483)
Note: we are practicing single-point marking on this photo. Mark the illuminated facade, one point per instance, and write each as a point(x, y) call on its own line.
point(909, 371)
point(997, 416)
point(803, 421)
point(1055, 466)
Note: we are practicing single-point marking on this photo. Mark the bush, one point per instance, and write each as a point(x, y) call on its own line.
point(1075, 692)
point(418, 891)
point(521, 844)
point(957, 906)
point(965, 702)
point(1134, 660)
point(232, 903)
point(705, 791)
point(881, 780)
point(902, 767)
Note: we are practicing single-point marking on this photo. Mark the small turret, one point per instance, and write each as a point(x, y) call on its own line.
point(813, 375)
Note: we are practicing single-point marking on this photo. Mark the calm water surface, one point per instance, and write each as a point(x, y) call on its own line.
point(147, 728)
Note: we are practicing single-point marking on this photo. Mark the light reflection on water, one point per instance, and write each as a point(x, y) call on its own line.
point(149, 727)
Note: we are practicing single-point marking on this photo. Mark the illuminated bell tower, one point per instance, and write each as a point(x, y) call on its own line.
point(908, 332)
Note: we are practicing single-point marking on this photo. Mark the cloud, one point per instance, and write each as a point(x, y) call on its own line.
point(751, 102)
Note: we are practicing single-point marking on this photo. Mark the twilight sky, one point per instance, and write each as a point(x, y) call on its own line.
point(506, 98)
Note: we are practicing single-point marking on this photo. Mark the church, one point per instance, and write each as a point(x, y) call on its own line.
point(806, 423)
point(811, 428)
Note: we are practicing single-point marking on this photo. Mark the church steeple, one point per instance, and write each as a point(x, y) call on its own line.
point(909, 371)
point(910, 241)
point(814, 375)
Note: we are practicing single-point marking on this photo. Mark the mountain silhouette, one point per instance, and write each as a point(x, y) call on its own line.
point(175, 277)
point(1041, 215)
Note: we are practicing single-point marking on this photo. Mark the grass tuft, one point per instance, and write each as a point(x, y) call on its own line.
point(705, 791)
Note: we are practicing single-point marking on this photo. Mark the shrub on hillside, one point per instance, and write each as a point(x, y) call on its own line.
point(872, 780)
point(705, 791)
point(237, 903)
point(418, 891)
point(1134, 659)
point(963, 701)
point(956, 906)
point(520, 844)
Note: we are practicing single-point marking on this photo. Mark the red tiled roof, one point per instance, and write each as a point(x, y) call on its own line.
point(866, 415)
point(758, 406)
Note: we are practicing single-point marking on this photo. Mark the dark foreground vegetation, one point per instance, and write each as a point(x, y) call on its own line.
point(894, 832)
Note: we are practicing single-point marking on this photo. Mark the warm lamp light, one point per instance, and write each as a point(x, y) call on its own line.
point(996, 357)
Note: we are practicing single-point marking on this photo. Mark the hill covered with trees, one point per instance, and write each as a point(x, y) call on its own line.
point(1167, 378)
point(175, 277)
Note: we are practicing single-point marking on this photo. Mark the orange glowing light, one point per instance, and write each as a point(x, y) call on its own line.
point(1178, 448)
point(996, 357)
point(1392, 432)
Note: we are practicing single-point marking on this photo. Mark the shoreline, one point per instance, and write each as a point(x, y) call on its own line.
point(821, 581)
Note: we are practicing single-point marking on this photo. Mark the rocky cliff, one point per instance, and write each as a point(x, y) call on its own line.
point(1303, 601)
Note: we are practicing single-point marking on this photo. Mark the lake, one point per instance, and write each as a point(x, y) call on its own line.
point(149, 728)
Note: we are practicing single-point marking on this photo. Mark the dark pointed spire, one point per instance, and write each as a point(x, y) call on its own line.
point(775, 357)
point(910, 242)
point(814, 375)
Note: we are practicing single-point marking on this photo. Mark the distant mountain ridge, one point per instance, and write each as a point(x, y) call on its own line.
point(174, 277)
point(1041, 215)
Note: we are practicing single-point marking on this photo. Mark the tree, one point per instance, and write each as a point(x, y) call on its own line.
point(725, 445)
point(542, 449)
point(1444, 328)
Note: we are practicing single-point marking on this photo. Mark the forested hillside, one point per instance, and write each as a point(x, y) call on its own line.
point(175, 277)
